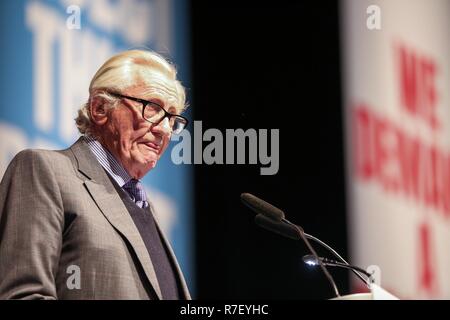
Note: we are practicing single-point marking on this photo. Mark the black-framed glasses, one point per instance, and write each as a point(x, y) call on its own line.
point(154, 113)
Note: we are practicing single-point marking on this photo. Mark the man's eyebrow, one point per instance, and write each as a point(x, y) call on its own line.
point(156, 100)
point(170, 108)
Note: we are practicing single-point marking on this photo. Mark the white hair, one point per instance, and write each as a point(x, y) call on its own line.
point(123, 71)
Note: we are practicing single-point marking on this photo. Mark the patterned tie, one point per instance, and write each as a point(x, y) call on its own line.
point(137, 193)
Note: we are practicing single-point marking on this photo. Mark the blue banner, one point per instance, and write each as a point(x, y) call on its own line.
point(51, 50)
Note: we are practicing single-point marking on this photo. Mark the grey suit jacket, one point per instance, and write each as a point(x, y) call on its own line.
point(60, 214)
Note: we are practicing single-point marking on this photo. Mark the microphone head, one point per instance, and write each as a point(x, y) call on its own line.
point(262, 207)
point(279, 227)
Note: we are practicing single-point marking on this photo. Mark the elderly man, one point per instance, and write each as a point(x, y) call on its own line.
point(82, 212)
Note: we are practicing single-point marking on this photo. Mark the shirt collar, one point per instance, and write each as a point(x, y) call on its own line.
point(108, 162)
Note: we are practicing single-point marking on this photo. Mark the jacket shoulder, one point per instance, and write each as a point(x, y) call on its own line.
point(32, 155)
point(43, 160)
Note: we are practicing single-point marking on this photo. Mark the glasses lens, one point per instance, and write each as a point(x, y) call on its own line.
point(178, 124)
point(153, 112)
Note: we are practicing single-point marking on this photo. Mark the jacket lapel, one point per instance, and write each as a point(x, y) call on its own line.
point(108, 201)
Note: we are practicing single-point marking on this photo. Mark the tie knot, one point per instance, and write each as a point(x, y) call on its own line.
point(136, 190)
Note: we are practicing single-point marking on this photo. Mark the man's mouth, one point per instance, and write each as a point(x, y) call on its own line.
point(153, 146)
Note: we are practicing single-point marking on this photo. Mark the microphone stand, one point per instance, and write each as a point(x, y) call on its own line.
point(311, 260)
point(357, 271)
point(302, 235)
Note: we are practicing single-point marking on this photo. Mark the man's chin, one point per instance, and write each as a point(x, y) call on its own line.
point(149, 164)
point(140, 171)
point(145, 157)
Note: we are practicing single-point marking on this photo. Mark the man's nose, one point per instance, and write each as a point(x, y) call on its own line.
point(163, 127)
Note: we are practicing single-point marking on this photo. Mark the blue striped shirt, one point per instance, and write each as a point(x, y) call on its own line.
point(116, 171)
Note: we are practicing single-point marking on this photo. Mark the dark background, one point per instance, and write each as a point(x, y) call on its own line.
point(274, 65)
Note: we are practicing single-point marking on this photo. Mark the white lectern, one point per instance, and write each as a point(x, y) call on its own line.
point(376, 293)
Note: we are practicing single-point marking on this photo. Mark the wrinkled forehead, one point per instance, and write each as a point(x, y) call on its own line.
point(155, 85)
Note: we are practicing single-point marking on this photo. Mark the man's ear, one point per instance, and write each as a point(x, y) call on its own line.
point(98, 110)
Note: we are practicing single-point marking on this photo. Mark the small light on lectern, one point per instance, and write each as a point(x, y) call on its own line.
point(310, 260)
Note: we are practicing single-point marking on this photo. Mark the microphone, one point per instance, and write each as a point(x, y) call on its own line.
point(270, 212)
point(311, 260)
point(277, 227)
point(273, 219)
point(260, 206)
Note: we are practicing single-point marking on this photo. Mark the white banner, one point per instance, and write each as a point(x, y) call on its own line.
point(396, 74)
